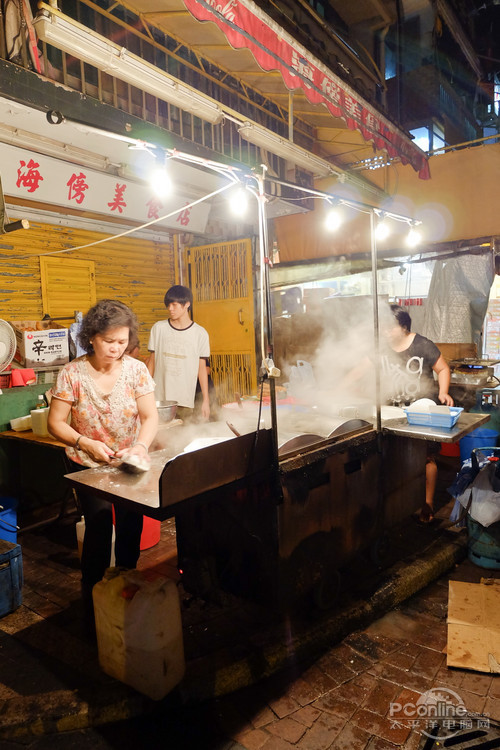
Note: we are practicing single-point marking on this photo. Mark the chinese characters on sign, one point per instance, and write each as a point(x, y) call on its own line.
point(183, 217)
point(118, 201)
point(48, 180)
point(247, 26)
point(30, 176)
point(77, 187)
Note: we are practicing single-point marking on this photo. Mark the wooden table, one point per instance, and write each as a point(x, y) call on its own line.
point(32, 438)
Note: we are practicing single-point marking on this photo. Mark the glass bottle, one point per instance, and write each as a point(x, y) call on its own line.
point(41, 402)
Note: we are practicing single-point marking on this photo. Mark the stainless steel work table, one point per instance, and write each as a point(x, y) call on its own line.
point(201, 471)
point(111, 482)
point(161, 490)
point(467, 422)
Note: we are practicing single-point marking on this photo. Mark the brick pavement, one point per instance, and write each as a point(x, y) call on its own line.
point(342, 701)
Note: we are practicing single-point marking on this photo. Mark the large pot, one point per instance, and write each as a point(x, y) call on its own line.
point(166, 410)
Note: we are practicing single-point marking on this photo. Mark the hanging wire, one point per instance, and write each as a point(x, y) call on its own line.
point(122, 234)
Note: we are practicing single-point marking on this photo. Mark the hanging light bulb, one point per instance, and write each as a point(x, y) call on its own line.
point(160, 182)
point(414, 237)
point(382, 230)
point(238, 201)
point(333, 219)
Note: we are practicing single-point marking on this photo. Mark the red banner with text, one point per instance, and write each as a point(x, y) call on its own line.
point(245, 25)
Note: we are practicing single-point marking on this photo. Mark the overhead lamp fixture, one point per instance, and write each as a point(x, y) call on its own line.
point(78, 40)
point(382, 230)
point(158, 177)
point(286, 149)
point(238, 201)
point(414, 237)
point(49, 147)
point(160, 182)
point(334, 218)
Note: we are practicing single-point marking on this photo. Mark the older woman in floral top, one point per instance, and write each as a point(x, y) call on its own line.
point(109, 399)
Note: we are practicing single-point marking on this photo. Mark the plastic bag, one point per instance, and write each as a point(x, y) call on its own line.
point(301, 378)
point(485, 505)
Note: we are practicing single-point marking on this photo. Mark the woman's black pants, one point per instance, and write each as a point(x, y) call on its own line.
point(96, 552)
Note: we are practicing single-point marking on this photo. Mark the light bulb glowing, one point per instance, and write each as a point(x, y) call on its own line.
point(382, 230)
point(333, 220)
point(414, 237)
point(160, 182)
point(238, 201)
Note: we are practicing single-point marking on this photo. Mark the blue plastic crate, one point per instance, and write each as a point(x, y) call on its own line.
point(8, 519)
point(430, 419)
point(11, 577)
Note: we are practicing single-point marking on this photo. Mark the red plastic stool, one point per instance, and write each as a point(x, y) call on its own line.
point(151, 529)
point(150, 532)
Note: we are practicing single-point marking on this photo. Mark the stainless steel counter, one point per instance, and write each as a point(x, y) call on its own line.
point(467, 422)
point(159, 491)
point(175, 477)
point(112, 483)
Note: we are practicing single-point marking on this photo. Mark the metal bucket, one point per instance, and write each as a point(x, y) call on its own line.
point(166, 411)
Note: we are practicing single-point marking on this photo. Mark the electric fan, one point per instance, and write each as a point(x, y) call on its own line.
point(7, 344)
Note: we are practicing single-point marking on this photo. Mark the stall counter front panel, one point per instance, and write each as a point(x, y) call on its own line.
point(276, 529)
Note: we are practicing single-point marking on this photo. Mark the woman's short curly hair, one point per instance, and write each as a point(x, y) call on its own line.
point(106, 314)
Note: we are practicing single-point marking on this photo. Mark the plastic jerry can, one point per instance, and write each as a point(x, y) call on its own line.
point(139, 631)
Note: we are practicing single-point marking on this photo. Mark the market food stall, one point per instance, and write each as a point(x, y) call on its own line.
point(277, 528)
point(273, 505)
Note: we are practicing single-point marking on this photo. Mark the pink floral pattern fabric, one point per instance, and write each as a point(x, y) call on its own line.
point(112, 418)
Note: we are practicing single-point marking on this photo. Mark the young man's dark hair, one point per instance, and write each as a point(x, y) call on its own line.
point(402, 317)
point(180, 294)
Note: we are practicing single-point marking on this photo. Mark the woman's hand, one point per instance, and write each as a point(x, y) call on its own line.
point(139, 449)
point(445, 399)
point(96, 449)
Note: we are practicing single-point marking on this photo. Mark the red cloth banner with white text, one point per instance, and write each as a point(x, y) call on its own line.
point(245, 25)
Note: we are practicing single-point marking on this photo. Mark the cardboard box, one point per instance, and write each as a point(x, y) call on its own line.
point(40, 343)
point(474, 625)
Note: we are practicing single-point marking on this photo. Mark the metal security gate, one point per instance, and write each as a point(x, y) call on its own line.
point(221, 279)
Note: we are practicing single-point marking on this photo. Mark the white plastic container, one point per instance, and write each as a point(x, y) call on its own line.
point(39, 419)
point(139, 631)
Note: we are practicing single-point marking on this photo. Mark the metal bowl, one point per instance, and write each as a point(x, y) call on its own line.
point(166, 410)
